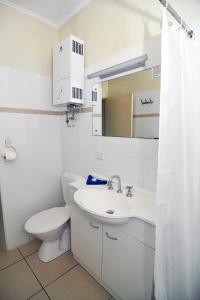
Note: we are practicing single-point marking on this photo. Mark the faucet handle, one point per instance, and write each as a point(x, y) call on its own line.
point(109, 184)
point(129, 191)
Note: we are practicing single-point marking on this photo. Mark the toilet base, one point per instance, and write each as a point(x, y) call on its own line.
point(50, 250)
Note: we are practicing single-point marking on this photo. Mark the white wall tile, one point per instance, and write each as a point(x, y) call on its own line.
point(130, 158)
point(47, 147)
point(150, 175)
point(32, 182)
point(25, 89)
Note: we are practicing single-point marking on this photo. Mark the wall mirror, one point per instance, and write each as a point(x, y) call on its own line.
point(128, 106)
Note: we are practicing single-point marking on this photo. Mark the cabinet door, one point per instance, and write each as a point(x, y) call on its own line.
point(128, 265)
point(86, 240)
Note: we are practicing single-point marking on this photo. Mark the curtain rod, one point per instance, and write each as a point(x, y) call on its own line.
point(177, 17)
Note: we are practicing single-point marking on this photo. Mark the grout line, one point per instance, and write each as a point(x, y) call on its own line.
point(61, 275)
point(35, 277)
point(31, 254)
point(20, 252)
point(12, 264)
point(34, 294)
point(110, 296)
point(43, 287)
point(46, 294)
point(55, 278)
point(24, 256)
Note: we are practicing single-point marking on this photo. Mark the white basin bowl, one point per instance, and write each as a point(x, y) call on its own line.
point(111, 207)
point(104, 205)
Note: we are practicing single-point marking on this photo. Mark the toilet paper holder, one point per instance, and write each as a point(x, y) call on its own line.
point(10, 152)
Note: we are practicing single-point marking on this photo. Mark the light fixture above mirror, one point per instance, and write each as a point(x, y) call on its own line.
point(121, 68)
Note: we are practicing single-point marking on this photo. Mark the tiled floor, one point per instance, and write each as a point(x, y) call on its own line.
point(23, 276)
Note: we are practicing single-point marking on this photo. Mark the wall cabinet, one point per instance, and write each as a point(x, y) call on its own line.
point(121, 262)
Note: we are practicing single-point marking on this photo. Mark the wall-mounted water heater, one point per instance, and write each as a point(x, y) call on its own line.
point(68, 72)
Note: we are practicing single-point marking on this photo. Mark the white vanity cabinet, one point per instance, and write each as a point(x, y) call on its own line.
point(120, 257)
point(86, 240)
point(127, 266)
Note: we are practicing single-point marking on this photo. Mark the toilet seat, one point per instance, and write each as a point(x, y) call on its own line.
point(47, 220)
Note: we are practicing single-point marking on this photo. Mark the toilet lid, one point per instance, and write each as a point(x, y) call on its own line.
point(47, 220)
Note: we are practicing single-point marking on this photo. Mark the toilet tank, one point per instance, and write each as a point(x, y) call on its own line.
point(69, 191)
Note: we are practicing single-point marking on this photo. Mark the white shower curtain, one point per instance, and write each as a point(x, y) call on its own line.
point(177, 259)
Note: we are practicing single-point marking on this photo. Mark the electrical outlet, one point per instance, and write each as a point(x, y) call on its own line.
point(99, 155)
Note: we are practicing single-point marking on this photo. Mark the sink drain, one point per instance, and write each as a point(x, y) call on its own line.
point(110, 212)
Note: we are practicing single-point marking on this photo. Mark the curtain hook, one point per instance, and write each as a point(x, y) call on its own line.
point(166, 5)
point(181, 24)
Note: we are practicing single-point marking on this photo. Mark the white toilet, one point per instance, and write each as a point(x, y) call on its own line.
point(52, 226)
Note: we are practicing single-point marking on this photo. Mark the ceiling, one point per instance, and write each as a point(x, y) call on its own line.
point(53, 12)
point(57, 12)
point(189, 10)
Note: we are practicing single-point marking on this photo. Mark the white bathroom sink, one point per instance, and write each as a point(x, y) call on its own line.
point(108, 206)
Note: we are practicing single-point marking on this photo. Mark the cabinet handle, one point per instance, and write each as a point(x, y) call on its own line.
point(93, 226)
point(110, 237)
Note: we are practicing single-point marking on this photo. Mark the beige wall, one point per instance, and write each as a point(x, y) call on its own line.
point(133, 83)
point(108, 27)
point(26, 42)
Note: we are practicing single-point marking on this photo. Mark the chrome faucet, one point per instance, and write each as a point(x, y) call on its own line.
point(110, 183)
